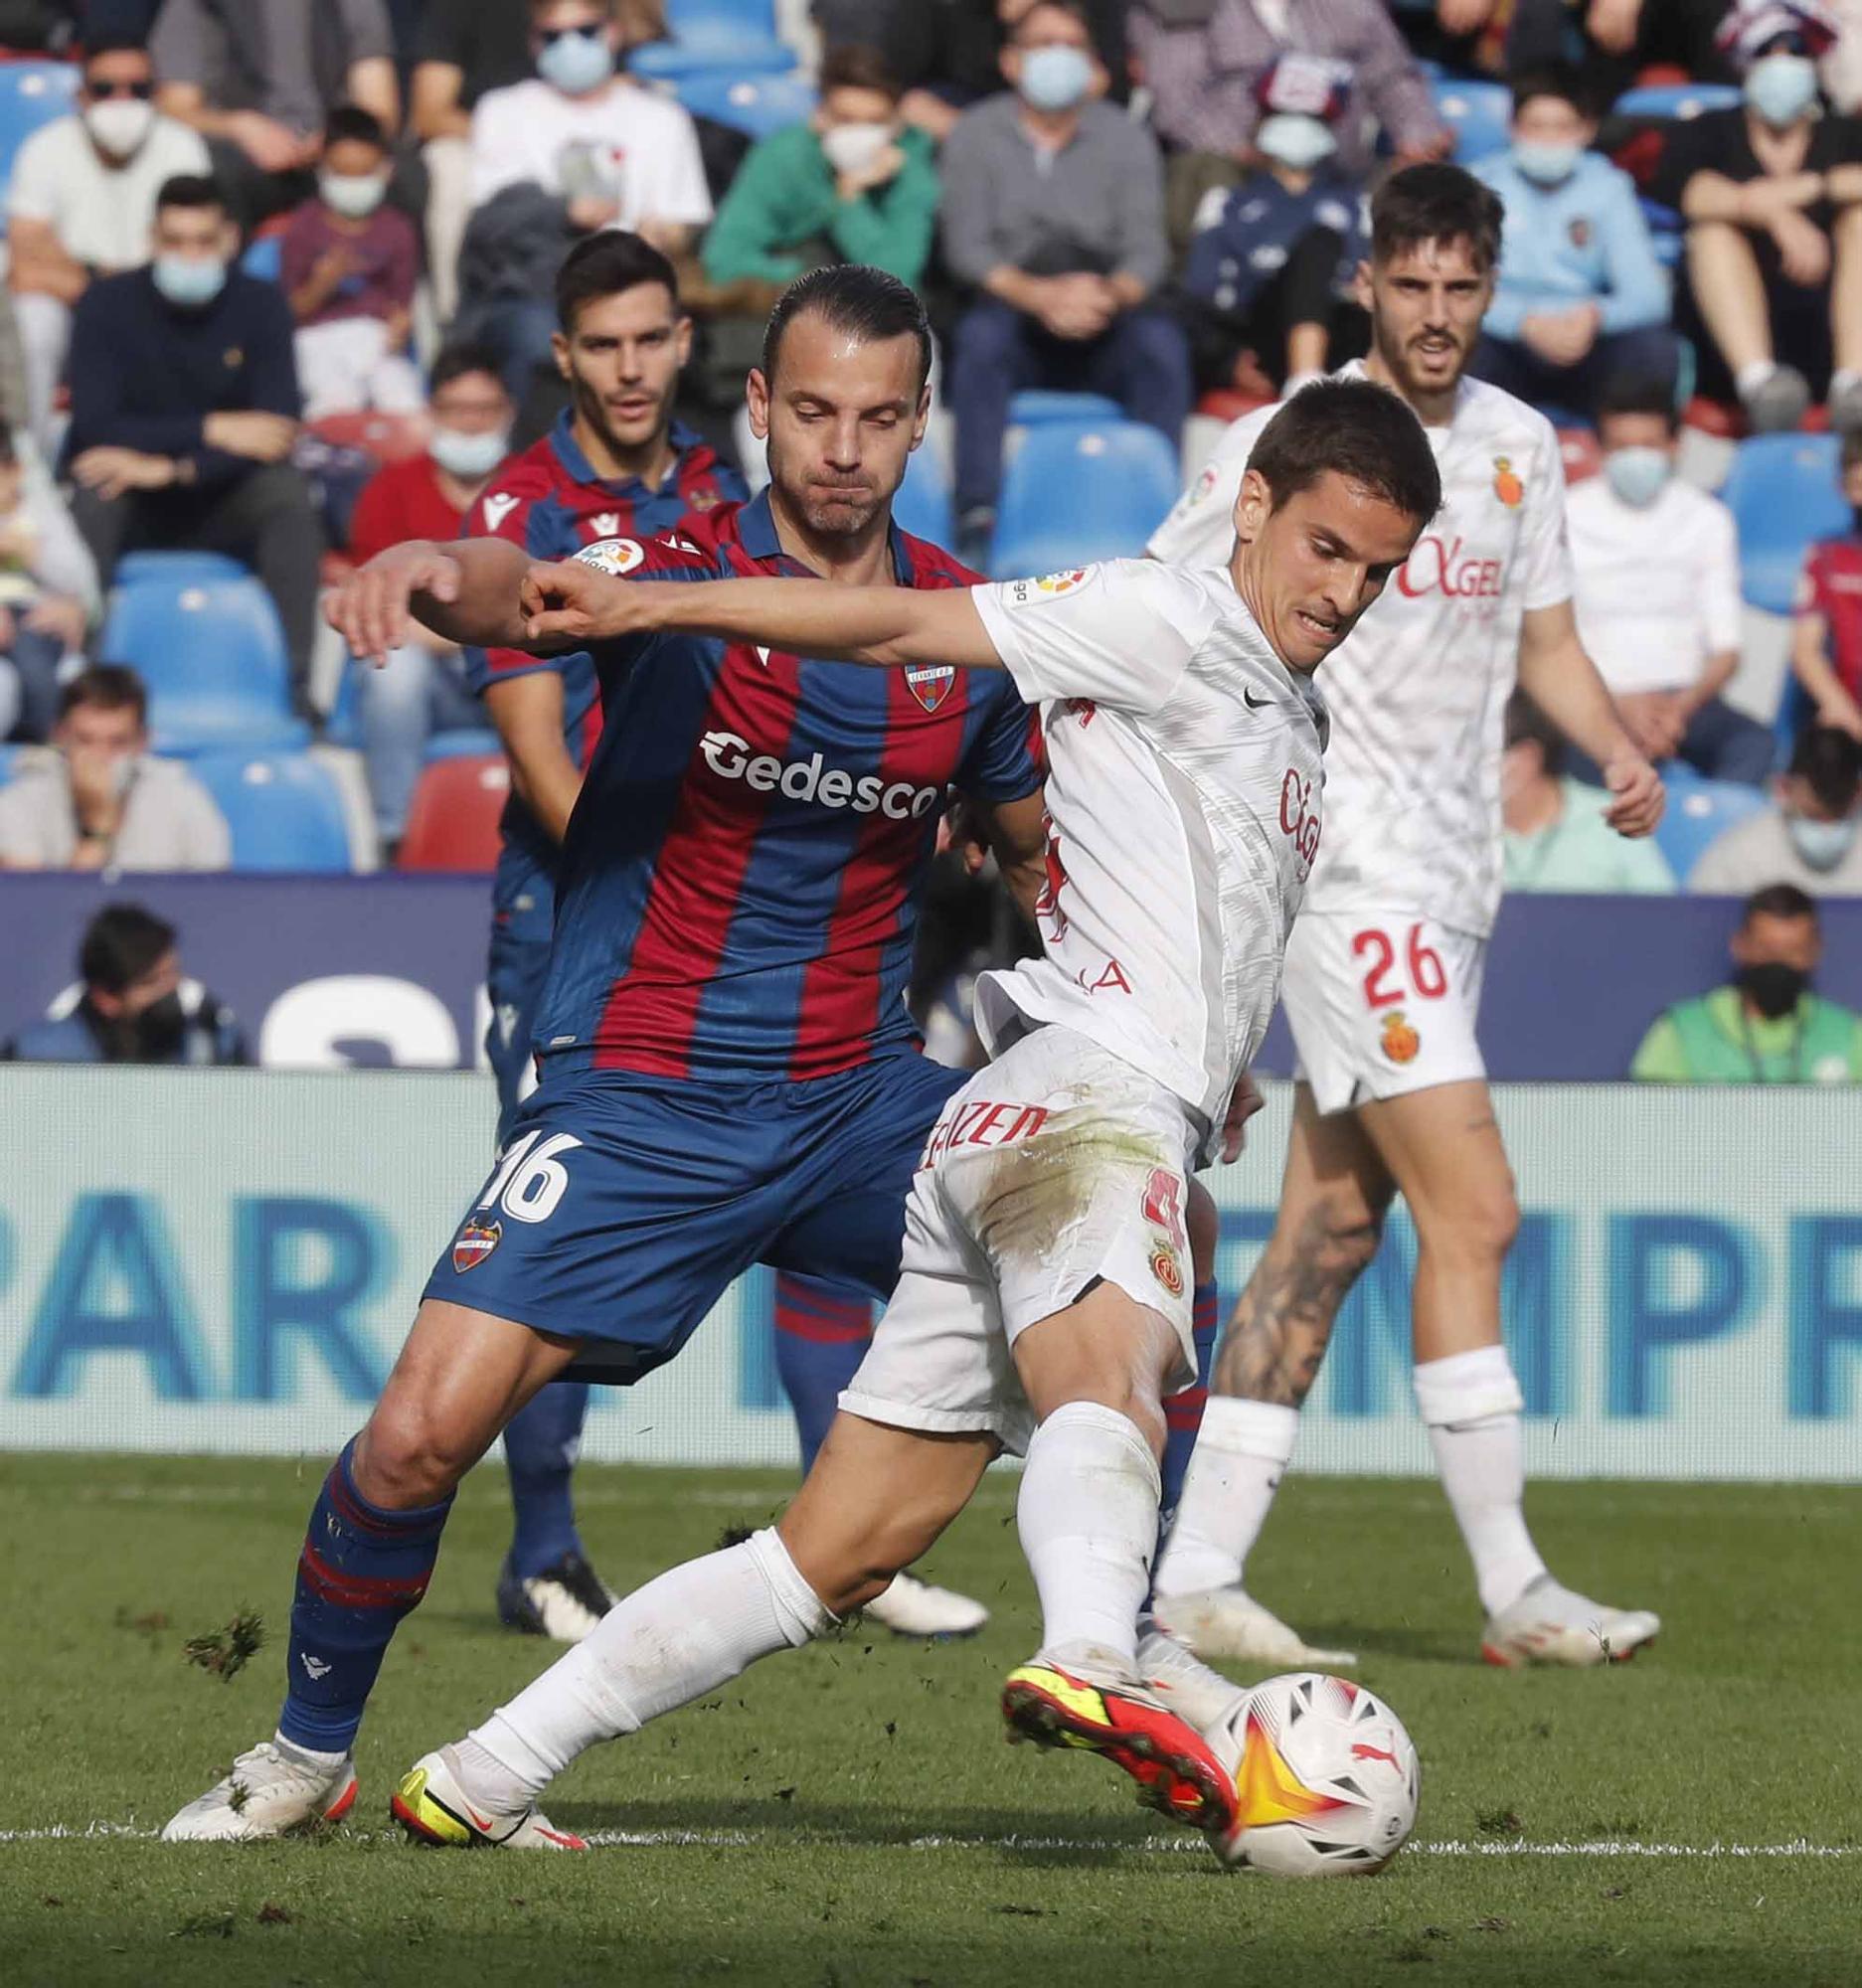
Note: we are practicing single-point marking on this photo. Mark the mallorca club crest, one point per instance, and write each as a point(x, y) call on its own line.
point(1166, 1270)
point(1506, 484)
point(475, 1242)
point(931, 684)
point(1401, 1042)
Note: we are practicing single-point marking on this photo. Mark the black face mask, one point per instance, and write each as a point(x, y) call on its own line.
point(159, 1029)
point(1774, 988)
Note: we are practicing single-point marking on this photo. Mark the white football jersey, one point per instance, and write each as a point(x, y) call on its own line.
point(1418, 691)
point(1183, 803)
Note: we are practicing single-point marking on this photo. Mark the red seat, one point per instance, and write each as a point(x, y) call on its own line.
point(453, 822)
point(1227, 406)
point(387, 438)
point(1581, 453)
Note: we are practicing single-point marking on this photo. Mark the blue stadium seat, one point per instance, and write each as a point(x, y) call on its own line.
point(1794, 712)
point(1784, 494)
point(738, 36)
point(32, 94)
point(1476, 112)
point(1676, 99)
point(213, 656)
point(472, 742)
point(1076, 494)
point(264, 258)
point(925, 506)
point(8, 754)
point(1036, 404)
point(284, 810)
point(1699, 811)
point(758, 105)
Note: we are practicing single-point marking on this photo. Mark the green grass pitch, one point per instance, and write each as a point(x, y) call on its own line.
point(850, 1816)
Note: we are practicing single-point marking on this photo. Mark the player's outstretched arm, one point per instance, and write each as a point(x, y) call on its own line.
point(574, 604)
point(465, 592)
point(1559, 676)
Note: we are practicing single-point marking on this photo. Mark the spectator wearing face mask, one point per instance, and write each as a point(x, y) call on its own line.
point(99, 800)
point(851, 185)
point(48, 595)
point(1772, 194)
point(1556, 838)
point(349, 265)
point(1807, 837)
point(1656, 565)
point(135, 1002)
point(1826, 636)
point(422, 688)
point(1765, 1026)
point(1272, 259)
point(1579, 295)
point(81, 203)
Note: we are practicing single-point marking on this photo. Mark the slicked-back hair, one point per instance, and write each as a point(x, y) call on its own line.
point(604, 265)
point(1363, 432)
point(106, 687)
point(852, 298)
point(120, 945)
point(1435, 203)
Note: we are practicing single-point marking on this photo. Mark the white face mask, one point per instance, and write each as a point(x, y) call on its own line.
point(469, 457)
point(118, 125)
point(1295, 140)
point(355, 196)
point(851, 148)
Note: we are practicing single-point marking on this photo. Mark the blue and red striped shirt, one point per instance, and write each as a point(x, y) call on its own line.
point(741, 881)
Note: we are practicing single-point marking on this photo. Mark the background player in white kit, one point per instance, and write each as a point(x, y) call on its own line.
point(1383, 971)
point(1042, 1305)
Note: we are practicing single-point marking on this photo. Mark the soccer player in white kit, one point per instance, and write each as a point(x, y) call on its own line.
point(1043, 1306)
point(1383, 971)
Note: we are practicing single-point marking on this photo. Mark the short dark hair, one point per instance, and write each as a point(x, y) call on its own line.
point(120, 945)
point(191, 190)
point(1527, 724)
point(1435, 203)
point(1851, 448)
point(864, 302)
point(350, 121)
point(455, 360)
point(106, 687)
point(1778, 900)
point(9, 454)
point(1074, 9)
point(1362, 431)
point(853, 65)
point(1637, 393)
point(1552, 78)
point(1829, 762)
point(604, 265)
point(114, 45)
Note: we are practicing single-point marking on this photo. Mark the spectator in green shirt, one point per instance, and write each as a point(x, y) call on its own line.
point(852, 185)
point(1556, 836)
point(1767, 1027)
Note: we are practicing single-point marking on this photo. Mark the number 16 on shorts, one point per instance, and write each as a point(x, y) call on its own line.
point(528, 1184)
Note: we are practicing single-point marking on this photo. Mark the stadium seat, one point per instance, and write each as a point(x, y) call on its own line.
point(1580, 452)
point(264, 258)
point(212, 653)
point(925, 506)
point(8, 756)
point(1699, 811)
point(178, 569)
point(1794, 710)
point(284, 810)
point(387, 438)
point(1074, 494)
point(453, 823)
point(1676, 99)
point(1478, 114)
point(756, 104)
point(475, 741)
point(1035, 405)
point(1783, 493)
point(32, 94)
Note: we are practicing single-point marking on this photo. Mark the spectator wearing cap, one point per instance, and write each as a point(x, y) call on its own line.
point(81, 203)
point(1808, 836)
point(48, 593)
point(1578, 296)
point(851, 184)
point(1765, 1026)
point(1272, 260)
point(135, 1002)
point(1053, 213)
point(1557, 836)
point(1826, 636)
point(1772, 194)
point(1655, 560)
point(99, 800)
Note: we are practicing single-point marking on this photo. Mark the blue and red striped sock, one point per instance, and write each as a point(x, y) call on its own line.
point(821, 1336)
point(361, 1571)
point(1183, 1413)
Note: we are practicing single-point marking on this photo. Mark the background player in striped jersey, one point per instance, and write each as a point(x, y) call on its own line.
point(1383, 971)
point(728, 1073)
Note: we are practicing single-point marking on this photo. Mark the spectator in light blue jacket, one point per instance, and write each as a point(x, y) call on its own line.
point(1581, 297)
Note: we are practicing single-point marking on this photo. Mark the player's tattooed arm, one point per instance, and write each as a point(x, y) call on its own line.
point(885, 626)
point(1284, 1323)
point(466, 592)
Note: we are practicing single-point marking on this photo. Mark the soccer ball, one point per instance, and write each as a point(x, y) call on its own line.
point(1327, 1779)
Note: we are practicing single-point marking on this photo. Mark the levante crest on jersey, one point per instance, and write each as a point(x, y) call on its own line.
point(930, 686)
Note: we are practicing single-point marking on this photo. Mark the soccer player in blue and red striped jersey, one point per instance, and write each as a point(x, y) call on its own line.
point(727, 1073)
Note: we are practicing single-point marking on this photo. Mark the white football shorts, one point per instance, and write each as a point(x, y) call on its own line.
point(1381, 1005)
point(1057, 1166)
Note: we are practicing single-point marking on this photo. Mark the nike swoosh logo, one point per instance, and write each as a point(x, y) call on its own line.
point(1255, 703)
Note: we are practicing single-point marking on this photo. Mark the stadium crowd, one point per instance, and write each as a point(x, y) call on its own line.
point(280, 294)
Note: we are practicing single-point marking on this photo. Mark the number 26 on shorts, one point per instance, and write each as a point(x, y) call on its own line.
point(1383, 979)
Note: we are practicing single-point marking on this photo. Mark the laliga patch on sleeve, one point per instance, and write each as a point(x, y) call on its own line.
point(1049, 586)
point(614, 557)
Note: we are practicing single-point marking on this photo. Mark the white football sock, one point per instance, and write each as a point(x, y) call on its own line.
point(1088, 1517)
point(1228, 1491)
point(1842, 379)
point(667, 1643)
point(1472, 1405)
point(1751, 376)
